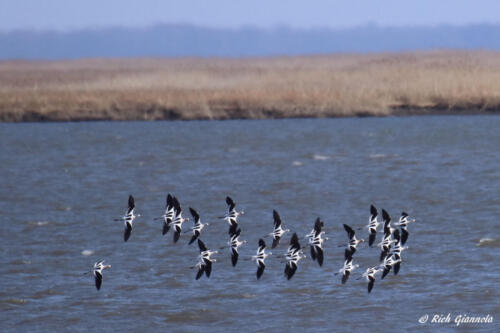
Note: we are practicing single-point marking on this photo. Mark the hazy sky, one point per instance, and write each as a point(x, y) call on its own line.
point(68, 14)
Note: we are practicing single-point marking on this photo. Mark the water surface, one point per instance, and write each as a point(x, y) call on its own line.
point(62, 184)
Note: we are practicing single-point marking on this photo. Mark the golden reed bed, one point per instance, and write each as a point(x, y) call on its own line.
point(277, 87)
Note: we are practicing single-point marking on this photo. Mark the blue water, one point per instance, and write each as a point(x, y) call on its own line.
point(62, 184)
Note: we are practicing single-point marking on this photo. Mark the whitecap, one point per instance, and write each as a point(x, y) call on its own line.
point(87, 253)
point(319, 157)
point(297, 163)
point(39, 223)
point(492, 242)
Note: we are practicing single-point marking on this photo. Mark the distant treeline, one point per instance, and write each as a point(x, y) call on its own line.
point(179, 40)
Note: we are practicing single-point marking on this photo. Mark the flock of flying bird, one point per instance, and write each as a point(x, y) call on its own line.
point(391, 245)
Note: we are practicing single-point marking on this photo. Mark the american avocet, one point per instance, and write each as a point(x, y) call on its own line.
point(232, 216)
point(404, 220)
point(198, 226)
point(316, 241)
point(205, 260)
point(234, 243)
point(370, 276)
point(278, 230)
point(348, 266)
point(260, 257)
point(168, 215)
point(353, 241)
point(372, 225)
point(97, 270)
point(129, 218)
point(292, 256)
point(178, 219)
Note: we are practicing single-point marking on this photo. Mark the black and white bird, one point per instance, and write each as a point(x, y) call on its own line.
point(292, 256)
point(198, 226)
point(232, 216)
point(372, 225)
point(386, 219)
point(316, 241)
point(260, 257)
point(387, 264)
point(386, 243)
point(204, 264)
point(97, 270)
point(178, 219)
point(404, 220)
point(234, 243)
point(369, 274)
point(396, 251)
point(129, 218)
point(278, 230)
point(168, 216)
point(353, 241)
point(348, 266)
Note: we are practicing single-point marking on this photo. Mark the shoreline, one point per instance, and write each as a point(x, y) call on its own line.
point(32, 117)
point(323, 86)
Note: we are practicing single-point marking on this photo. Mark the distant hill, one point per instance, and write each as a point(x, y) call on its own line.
point(186, 40)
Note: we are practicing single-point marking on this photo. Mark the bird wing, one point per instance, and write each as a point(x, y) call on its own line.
point(319, 255)
point(345, 276)
point(201, 245)
point(208, 268)
point(195, 214)
point(385, 216)
point(371, 283)
point(373, 212)
point(294, 242)
point(131, 203)
point(371, 238)
point(128, 231)
point(98, 279)
point(317, 226)
point(230, 203)
point(234, 256)
point(262, 244)
point(349, 230)
point(260, 269)
point(277, 219)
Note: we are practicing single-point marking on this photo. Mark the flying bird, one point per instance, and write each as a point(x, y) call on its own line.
point(260, 257)
point(178, 219)
point(348, 266)
point(387, 264)
point(234, 243)
point(168, 215)
point(204, 264)
point(404, 220)
point(232, 216)
point(316, 241)
point(292, 256)
point(370, 276)
point(198, 226)
point(353, 241)
point(396, 251)
point(98, 268)
point(129, 218)
point(372, 225)
point(278, 230)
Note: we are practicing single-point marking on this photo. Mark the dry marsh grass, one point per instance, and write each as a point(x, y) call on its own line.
point(193, 88)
